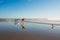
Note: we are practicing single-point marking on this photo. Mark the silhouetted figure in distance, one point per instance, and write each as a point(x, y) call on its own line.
point(52, 26)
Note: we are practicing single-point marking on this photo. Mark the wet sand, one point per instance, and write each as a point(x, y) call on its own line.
point(10, 31)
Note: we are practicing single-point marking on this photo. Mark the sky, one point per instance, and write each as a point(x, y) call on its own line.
point(29, 8)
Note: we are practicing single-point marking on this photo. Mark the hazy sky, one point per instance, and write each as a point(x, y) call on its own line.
point(30, 8)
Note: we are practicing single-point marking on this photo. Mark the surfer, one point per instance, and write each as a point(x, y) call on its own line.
point(22, 23)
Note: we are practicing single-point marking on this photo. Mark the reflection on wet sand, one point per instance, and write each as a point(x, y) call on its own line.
point(16, 21)
point(23, 27)
point(35, 32)
point(51, 25)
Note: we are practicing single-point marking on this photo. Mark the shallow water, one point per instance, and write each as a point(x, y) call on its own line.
point(28, 31)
